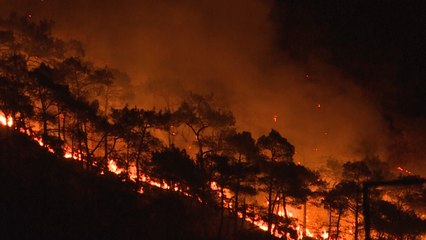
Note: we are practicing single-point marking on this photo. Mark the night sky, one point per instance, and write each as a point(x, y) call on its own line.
point(344, 78)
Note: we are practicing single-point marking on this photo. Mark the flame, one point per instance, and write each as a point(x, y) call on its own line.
point(69, 153)
point(399, 168)
point(308, 233)
point(113, 167)
point(6, 121)
point(213, 186)
point(324, 234)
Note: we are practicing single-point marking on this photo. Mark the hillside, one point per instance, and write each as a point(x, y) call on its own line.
point(44, 197)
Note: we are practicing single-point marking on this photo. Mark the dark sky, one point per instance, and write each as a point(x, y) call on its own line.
point(380, 43)
point(362, 61)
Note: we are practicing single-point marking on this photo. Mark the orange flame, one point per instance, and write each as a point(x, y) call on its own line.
point(399, 168)
point(114, 168)
point(324, 234)
point(6, 120)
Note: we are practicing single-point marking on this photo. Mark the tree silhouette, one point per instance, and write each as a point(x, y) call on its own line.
point(391, 222)
point(275, 150)
point(16, 101)
point(32, 40)
point(243, 154)
point(199, 115)
point(338, 200)
point(356, 172)
point(134, 125)
point(177, 169)
point(222, 174)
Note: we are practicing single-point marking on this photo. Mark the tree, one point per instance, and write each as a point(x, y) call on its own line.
point(222, 174)
point(42, 91)
point(32, 40)
point(134, 126)
point(298, 183)
point(356, 172)
point(274, 149)
point(16, 101)
point(392, 222)
point(243, 153)
point(197, 113)
point(337, 200)
point(176, 168)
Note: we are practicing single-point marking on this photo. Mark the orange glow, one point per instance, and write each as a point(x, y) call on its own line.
point(324, 233)
point(308, 233)
point(112, 167)
point(275, 118)
point(399, 168)
point(69, 153)
point(6, 121)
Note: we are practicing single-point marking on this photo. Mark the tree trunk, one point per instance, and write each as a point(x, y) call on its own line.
point(236, 214)
point(80, 140)
point(329, 222)
point(356, 216)
point(86, 143)
point(63, 128)
point(338, 222)
point(304, 218)
point(222, 210)
point(105, 163)
point(270, 206)
point(127, 160)
point(285, 208)
point(139, 155)
point(59, 123)
point(43, 114)
point(44, 119)
point(254, 215)
point(244, 215)
point(72, 146)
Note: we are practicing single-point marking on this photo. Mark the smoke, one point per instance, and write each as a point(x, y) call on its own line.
point(228, 48)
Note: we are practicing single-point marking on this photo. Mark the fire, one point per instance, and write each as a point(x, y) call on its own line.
point(113, 167)
point(308, 233)
point(324, 233)
point(399, 168)
point(6, 121)
point(69, 153)
point(275, 118)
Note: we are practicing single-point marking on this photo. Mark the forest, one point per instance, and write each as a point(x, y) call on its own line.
point(77, 111)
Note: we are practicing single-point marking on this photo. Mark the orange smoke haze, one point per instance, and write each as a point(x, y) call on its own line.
point(228, 48)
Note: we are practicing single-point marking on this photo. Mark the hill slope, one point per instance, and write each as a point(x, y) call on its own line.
point(45, 197)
